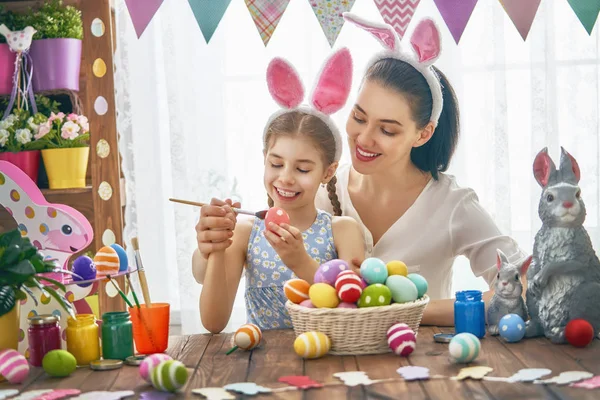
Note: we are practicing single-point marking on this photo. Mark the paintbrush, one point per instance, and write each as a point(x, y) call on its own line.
point(120, 291)
point(137, 303)
point(258, 214)
point(141, 272)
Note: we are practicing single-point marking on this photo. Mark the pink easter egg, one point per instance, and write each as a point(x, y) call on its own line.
point(13, 366)
point(401, 339)
point(307, 303)
point(329, 271)
point(347, 305)
point(149, 363)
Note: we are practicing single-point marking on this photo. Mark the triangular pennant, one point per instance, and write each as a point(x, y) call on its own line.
point(142, 12)
point(587, 12)
point(208, 14)
point(522, 13)
point(329, 13)
point(397, 13)
point(456, 14)
point(266, 15)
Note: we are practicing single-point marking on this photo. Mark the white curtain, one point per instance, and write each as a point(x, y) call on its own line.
point(190, 115)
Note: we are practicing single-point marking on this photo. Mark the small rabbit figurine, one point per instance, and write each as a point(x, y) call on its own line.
point(507, 293)
point(564, 277)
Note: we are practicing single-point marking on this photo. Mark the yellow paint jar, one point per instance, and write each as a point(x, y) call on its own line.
point(82, 339)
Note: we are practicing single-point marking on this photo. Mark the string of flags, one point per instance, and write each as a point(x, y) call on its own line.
point(266, 14)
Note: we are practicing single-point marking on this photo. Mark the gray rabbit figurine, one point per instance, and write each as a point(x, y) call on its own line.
point(507, 292)
point(564, 277)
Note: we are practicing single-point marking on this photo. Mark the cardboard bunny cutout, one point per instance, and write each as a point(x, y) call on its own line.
point(329, 95)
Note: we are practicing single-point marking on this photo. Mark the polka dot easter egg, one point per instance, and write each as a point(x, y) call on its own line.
point(403, 290)
point(373, 270)
point(464, 347)
point(348, 286)
point(375, 295)
point(329, 271)
point(106, 261)
point(169, 376)
point(13, 366)
point(296, 290)
point(312, 345)
point(247, 337)
point(401, 339)
point(511, 328)
point(323, 295)
point(150, 363)
point(276, 215)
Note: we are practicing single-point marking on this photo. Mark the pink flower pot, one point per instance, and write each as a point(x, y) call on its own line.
point(56, 64)
point(27, 161)
point(7, 69)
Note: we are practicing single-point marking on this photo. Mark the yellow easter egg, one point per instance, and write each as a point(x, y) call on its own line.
point(312, 345)
point(397, 268)
point(323, 295)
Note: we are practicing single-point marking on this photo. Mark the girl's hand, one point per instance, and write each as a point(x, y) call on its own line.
point(216, 225)
point(355, 265)
point(288, 243)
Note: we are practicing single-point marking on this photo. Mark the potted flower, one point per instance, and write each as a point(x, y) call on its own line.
point(66, 149)
point(20, 267)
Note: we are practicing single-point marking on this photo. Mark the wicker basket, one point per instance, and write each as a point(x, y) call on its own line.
point(355, 331)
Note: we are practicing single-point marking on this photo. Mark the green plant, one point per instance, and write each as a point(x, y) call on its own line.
point(20, 266)
point(45, 105)
point(13, 21)
point(53, 20)
point(20, 132)
point(61, 131)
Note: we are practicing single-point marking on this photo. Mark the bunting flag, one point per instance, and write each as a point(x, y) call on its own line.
point(266, 15)
point(329, 13)
point(587, 12)
point(522, 13)
point(398, 13)
point(208, 15)
point(142, 12)
point(456, 14)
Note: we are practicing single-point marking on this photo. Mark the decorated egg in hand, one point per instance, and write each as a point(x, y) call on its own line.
point(323, 295)
point(375, 295)
point(348, 286)
point(85, 268)
point(373, 270)
point(312, 345)
point(296, 290)
point(276, 215)
point(402, 288)
point(511, 328)
point(420, 283)
point(329, 271)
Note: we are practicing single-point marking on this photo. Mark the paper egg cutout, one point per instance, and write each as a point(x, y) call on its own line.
point(348, 286)
point(323, 295)
point(401, 339)
point(403, 289)
point(579, 332)
point(149, 363)
point(375, 295)
point(247, 337)
point(123, 260)
point(373, 270)
point(307, 304)
point(169, 376)
point(396, 268)
point(464, 347)
point(106, 261)
point(296, 290)
point(511, 328)
point(329, 271)
point(276, 215)
point(347, 305)
point(84, 267)
point(420, 283)
point(59, 363)
point(312, 345)
point(13, 366)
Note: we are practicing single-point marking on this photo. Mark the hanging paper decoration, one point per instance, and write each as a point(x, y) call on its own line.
point(266, 15)
point(397, 13)
point(587, 12)
point(208, 15)
point(142, 12)
point(522, 13)
point(456, 14)
point(329, 13)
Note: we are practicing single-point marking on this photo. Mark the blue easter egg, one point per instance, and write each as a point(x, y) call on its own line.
point(84, 267)
point(511, 328)
point(464, 347)
point(123, 261)
point(373, 270)
point(420, 283)
point(403, 289)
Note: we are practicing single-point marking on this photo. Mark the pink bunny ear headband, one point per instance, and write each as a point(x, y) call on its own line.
point(329, 95)
point(426, 45)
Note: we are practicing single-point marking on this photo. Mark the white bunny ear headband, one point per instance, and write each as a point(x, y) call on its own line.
point(426, 46)
point(329, 95)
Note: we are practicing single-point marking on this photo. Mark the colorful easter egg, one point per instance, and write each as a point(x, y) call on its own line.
point(420, 283)
point(511, 328)
point(312, 345)
point(347, 305)
point(84, 267)
point(579, 332)
point(396, 268)
point(464, 347)
point(329, 271)
point(296, 290)
point(348, 286)
point(247, 337)
point(375, 295)
point(373, 270)
point(149, 363)
point(13, 366)
point(402, 288)
point(401, 339)
point(123, 260)
point(106, 261)
point(59, 363)
point(169, 376)
point(323, 295)
point(307, 304)
point(276, 215)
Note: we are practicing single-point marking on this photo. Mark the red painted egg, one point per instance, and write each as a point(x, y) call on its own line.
point(579, 332)
point(348, 286)
point(401, 339)
point(276, 215)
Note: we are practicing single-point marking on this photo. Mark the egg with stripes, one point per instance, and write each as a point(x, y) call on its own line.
point(349, 286)
point(296, 290)
point(169, 376)
point(464, 347)
point(13, 366)
point(150, 363)
point(401, 339)
point(312, 345)
point(106, 261)
point(247, 337)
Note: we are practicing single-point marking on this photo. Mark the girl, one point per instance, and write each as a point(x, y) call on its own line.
point(302, 148)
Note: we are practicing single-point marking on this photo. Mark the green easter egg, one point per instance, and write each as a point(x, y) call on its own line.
point(375, 295)
point(169, 376)
point(420, 283)
point(403, 289)
point(59, 363)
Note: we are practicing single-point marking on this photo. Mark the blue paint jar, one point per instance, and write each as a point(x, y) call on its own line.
point(469, 313)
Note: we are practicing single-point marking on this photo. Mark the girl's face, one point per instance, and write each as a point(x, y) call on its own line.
point(381, 130)
point(293, 171)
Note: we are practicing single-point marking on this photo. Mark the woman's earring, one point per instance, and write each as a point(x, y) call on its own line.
point(322, 185)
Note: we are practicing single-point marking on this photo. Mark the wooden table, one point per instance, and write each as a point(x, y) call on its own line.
point(204, 355)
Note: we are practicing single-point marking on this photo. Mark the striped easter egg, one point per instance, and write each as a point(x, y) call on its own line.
point(247, 336)
point(348, 286)
point(312, 345)
point(401, 339)
point(464, 347)
point(169, 376)
point(296, 290)
point(13, 366)
point(149, 363)
point(106, 261)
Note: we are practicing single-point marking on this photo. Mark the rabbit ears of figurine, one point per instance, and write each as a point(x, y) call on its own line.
point(426, 48)
point(502, 259)
point(547, 175)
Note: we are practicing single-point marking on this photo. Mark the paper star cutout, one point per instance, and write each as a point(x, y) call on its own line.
point(301, 382)
point(103, 395)
point(473, 373)
point(567, 377)
point(156, 396)
point(58, 394)
point(354, 378)
point(214, 393)
point(247, 388)
point(32, 394)
point(413, 373)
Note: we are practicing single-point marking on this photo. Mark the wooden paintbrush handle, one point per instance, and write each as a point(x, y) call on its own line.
point(191, 203)
point(144, 285)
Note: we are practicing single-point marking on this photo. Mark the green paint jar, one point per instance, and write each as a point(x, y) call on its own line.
point(117, 335)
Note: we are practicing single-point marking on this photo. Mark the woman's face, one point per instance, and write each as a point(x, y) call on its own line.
point(381, 130)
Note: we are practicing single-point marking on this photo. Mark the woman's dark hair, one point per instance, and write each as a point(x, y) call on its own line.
point(435, 155)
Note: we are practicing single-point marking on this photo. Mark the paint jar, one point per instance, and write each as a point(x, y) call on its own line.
point(43, 335)
point(82, 339)
point(469, 313)
point(117, 335)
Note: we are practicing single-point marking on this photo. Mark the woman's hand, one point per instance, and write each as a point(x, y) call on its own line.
point(216, 225)
point(355, 265)
point(288, 243)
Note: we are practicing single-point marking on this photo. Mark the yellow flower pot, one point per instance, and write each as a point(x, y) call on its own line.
point(66, 168)
point(9, 328)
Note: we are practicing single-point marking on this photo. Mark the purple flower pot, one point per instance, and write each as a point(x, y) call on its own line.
point(7, 69)
point(56, 64)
